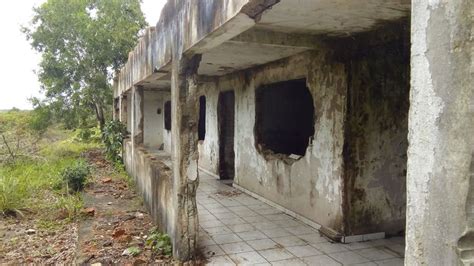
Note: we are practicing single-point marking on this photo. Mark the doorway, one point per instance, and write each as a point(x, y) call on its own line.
point(225, 116)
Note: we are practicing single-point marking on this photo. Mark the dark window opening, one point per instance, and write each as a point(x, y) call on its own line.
point(284, 117)
point(168, 115)
point(202, 118)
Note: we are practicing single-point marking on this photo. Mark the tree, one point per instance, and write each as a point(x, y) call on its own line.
point(82, 44)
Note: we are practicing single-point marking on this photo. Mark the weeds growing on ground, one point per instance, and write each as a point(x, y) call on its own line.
point(36, 182)
point(160, 243)
point(12, 194)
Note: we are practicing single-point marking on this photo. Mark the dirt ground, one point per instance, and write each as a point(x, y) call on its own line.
point(113, 220)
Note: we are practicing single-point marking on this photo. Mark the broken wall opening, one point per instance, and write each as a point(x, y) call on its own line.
point(226, 122)
point(376, 130)
point(284, 117)
point(202, 118)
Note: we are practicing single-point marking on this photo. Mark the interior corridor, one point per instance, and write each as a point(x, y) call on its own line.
point(237, 229)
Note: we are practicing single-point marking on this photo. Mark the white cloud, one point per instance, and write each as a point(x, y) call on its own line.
point(17, 79)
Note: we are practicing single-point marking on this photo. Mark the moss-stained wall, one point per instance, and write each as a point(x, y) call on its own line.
point(375, 150)
point(310, 186)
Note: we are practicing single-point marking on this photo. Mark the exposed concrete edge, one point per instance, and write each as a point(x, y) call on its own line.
point(279, 207)
point(209, 172)
point(233, 27)
point(361, 238)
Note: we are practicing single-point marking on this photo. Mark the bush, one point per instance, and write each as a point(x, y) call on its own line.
point(76, 176)
point(160, 243)
point(87, 135)
point(40, 120)
point(112, 136)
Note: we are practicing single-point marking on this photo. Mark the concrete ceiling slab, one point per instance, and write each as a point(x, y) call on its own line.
point(233, 56)
point(332, 17)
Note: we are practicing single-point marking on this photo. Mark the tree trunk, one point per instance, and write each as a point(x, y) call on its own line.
point(99, 113)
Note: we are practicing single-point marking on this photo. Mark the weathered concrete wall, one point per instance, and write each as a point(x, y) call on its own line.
point(441, 126)
point(154, 180)
point(153, 122)
point(311, 186)
point(209, 147)
point(376, 131)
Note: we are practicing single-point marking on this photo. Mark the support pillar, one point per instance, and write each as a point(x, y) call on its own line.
point(440, 222)
point(123, 109)
point(137, 120)
point(184, 128)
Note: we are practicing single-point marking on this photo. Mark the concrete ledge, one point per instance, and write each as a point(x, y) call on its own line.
point(361, 238)
point(209, 173)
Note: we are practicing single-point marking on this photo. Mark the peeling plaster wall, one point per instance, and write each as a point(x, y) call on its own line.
point(441, 126)
point(376, 134)
point(209, 147)
point(311, 186)
point(153, 122)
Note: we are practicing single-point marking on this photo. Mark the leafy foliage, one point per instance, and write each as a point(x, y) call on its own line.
point(40, 119)
point(133, 251)
point(81, 49)
point(160, 243)
point(88, 135)
point(76, 176)
point(113, 133)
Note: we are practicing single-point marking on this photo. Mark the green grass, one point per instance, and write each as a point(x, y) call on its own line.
point(34, 183)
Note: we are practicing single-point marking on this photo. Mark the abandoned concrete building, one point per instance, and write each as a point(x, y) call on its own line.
point(354, 117)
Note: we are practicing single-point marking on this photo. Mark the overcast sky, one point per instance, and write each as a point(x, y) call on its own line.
point(18, 62)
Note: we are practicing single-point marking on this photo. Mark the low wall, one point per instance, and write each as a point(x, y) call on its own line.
point(153, 177)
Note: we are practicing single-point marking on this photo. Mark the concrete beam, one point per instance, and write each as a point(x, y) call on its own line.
point(278, 39)
point(440, 195)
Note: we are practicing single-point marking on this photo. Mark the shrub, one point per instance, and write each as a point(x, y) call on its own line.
point(112, 136)
point(87, 135)
point(75, 176)
point(40, 120)
point(160, 243)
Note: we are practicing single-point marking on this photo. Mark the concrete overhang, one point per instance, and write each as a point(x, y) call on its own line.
point(293, 26)
point(233, 35)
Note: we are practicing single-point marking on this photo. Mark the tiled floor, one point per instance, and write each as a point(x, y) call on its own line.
point(237, 229)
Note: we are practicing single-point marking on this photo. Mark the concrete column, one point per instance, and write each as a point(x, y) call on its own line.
point(441, 130)
point(123, 109)
point(184, 129)
point(137, 120)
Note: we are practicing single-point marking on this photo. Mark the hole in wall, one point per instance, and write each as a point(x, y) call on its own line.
point(284, 117)
point(202, 118)
point(167, 115)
